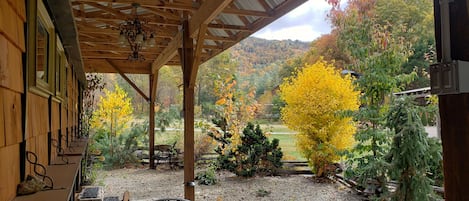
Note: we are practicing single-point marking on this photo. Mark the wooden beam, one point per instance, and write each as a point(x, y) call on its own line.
point(151, 131)
point(162, 13)
point(85, 47)
point(246, 12)
point(102, 66)
point(109, 55)
point(128, 80)
point(228, 27)
point(98, 16)
point(197, 54)
point(187, 59)
point(206, 13)
point(154, 85)
point(220, 38)
point(182, 5)
point(109, 10)
point(61, 11)
point(265, 5)
point(168, 53)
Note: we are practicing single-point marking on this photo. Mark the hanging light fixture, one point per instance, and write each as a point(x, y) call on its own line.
point(135, 34)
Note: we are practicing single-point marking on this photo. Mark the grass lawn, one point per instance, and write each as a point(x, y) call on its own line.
point(285, 136)
point(288, 145)
point(276, 128)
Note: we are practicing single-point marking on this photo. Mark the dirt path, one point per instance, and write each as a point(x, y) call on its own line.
point(146, 185)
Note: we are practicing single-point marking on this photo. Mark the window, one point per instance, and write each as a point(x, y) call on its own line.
point(41, 50)
point(59, 76)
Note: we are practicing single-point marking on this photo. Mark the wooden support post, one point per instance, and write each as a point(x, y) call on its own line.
point(153, 78)
point(454, 109)
point(454, 113)
point(187, 59)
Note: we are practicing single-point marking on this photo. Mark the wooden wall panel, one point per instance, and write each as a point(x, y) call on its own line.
point(38, 145)
point(9, 171)
point(19, 7)
point(63, 125)
point(12, 45)
point(55, 116)
point(42, 151)
point(2, 122)
point(12, 114)
point(55, 127)
point(38, 115)
point(54, 146)
point(12, 19)
point(8, 21)
point(11, 70)
point(30, 146)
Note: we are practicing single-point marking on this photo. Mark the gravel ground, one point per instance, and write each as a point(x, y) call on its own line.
point(147, 185)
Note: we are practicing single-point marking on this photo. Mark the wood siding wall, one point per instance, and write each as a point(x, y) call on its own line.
point(12, 47)
point(46, 118)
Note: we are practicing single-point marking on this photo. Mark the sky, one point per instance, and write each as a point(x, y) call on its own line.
point(305, 23)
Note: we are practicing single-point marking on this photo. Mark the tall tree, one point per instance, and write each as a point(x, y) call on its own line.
point(410, 152)
point(377, 48)
point(169, 90)
point(217, 68)
point(113, 113)
point(325, 47)
point(314, 100)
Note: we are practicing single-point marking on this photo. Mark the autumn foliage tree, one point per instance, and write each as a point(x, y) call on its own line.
point(315, 101)
point(113, 113)
point(242, 148)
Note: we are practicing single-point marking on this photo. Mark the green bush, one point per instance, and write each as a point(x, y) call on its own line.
point(207, 177)
point(255, 154)
point(118, 151)
point(435, 162)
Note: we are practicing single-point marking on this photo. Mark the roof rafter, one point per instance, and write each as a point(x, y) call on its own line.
point(206, 13)
point(185, 5)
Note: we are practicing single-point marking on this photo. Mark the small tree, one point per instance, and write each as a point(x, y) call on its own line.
point(314, 100)
point(111, 118)
point(234, 109)
point(114, 111)
point(255, 154)
point(409, 154)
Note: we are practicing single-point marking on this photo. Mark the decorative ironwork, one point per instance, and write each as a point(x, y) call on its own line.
point(61, 153)
point(136, 34)
point(31, 157)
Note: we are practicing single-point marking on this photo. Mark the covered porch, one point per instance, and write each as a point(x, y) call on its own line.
point(84, 36)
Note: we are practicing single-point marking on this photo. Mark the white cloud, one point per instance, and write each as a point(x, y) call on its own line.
point(305, 23)
point(303, 33)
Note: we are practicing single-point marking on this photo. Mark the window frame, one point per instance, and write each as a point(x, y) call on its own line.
point(38, 15)
point(59, 68)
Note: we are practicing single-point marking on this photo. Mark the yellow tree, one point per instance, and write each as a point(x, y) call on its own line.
point(315, 101)
point(113, 113)
point(236, 107)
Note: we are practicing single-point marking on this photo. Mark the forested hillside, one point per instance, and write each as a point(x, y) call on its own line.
point(257, 53)
point(254, 62)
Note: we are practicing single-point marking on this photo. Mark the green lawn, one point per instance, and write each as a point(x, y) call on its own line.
point(288, 145)
point(285, 136)
point(276, 128)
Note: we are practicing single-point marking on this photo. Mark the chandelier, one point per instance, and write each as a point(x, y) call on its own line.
point(134, 33)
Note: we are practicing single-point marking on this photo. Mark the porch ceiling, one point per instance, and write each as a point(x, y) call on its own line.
point(221, 23)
